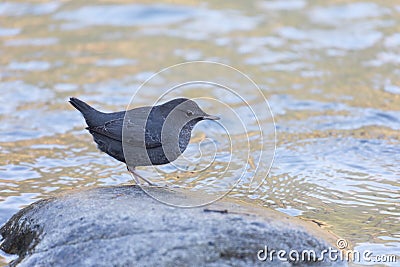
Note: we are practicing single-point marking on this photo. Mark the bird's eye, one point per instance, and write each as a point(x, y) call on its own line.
point(189, 113)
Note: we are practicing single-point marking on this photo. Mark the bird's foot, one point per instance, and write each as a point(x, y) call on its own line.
point(136, 177)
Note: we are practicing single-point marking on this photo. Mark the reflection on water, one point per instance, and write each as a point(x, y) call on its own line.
point(125, 15)
point(329, 69)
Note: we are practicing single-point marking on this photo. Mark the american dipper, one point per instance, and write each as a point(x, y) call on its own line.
point(150, 135)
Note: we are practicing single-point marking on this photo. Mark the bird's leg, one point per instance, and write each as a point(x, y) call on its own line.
point(136, 176)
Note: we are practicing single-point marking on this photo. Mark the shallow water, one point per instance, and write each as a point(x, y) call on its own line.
point(330, 72)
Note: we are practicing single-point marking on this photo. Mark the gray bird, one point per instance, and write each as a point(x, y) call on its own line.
point(144, 136)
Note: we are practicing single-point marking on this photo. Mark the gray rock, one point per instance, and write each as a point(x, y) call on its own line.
point(123, 226)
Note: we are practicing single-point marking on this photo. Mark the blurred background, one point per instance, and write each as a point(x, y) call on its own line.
point(329, 69)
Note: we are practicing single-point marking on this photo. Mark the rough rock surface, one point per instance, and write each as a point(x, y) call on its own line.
point(123, 226)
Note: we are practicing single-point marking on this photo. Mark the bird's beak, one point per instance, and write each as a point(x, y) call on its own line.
point(211, 117)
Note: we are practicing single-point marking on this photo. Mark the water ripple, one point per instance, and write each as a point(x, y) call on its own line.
point(20, 9)
point(341, 14)
point(126, 15)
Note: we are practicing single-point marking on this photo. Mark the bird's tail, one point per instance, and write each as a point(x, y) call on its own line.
point(81, 106)
point(87, 111)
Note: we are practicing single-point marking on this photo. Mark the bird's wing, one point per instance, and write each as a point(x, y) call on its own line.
point(149, 118)
point(113, 130)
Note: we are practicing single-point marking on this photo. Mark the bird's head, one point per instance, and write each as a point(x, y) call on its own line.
point(186, 109)
point(179, 117)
